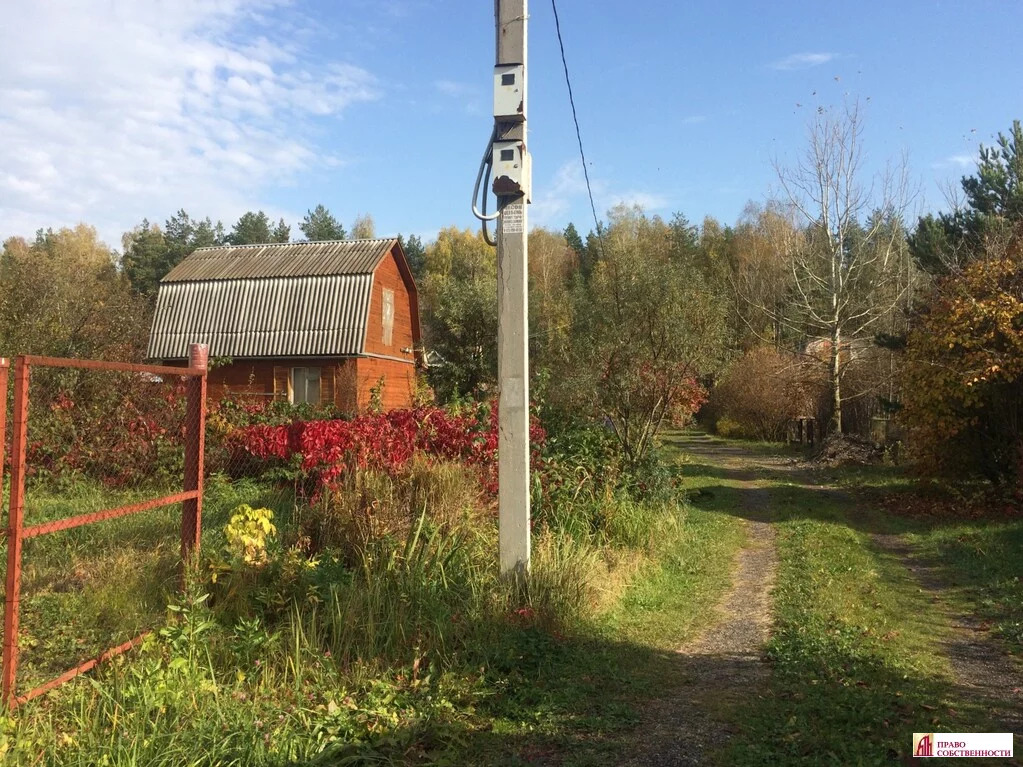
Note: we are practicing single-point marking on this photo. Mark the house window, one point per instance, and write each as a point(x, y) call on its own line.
point(388, 330)
point(305, 386)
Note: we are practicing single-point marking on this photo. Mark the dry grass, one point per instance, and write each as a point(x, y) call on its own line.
point(372, 506)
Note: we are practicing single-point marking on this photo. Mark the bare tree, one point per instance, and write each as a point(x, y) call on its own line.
point(847, 269)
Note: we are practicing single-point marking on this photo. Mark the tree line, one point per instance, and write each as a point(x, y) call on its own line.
point(823, 302)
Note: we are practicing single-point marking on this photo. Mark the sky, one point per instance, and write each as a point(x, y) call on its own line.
point(112, 111)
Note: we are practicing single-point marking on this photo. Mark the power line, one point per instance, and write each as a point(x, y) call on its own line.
point(575, 119)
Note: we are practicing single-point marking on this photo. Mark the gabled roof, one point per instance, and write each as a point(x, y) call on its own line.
point(289, 259)
point(303, 299)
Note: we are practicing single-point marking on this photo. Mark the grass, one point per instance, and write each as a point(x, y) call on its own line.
point(856, 665)
point(982, 559)
point(96, 586)
point(401, 645)
point(404, 648)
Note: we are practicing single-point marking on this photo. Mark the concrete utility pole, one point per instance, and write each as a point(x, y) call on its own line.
point(512, 188)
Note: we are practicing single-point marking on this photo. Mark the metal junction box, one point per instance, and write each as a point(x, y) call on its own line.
point(512, 169)
point(509, 92)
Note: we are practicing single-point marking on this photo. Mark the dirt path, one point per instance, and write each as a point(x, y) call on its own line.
point(724, 664)
point(983, 671)
point(723, 667)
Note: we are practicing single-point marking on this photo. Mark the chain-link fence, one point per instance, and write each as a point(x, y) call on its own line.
point(104, 463)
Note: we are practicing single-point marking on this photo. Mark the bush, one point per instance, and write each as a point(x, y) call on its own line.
point(323, 452)
point(758, 395)
point(963, 377)
point(365, 506)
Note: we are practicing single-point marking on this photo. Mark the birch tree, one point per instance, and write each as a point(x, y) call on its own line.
point(848, 269)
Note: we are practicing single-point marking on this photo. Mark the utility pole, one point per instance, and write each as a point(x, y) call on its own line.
point(512, 174)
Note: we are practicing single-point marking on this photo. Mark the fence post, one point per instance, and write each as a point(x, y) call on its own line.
point(15, 522)
point(5, 368)
point(195, 445)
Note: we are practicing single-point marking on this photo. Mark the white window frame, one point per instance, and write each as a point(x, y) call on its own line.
point(302, 379)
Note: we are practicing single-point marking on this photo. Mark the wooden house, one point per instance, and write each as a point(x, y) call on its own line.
point(307, 322)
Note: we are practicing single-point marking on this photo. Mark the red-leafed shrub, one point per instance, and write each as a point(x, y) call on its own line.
point(324, 450)
point(121, 430)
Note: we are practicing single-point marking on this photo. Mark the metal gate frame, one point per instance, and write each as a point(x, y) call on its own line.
point(16, 532)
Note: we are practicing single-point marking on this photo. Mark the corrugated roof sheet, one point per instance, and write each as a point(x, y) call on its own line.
point(265, 317)
point(290, 259)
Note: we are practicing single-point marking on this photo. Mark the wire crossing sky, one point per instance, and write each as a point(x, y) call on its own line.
point(130, 109)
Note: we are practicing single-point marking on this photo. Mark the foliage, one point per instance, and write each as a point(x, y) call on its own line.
point(151, 252)
point(118, 429)
point(552, 262)
point(757, 395)
point(376, 396)
point(415, 254)
point(248, 533)
point(256, 229)
point(460, 310)
point(319, 225)
point(575, 242)
point(984, 222)
point(645, 329)
point(63, 296)
point(963, 377)
point(385, 442)
point(363, 227)
point(849, 267)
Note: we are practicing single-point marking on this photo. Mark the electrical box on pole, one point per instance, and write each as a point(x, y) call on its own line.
point(512, 169)
point(512, 177)
point(510, 92)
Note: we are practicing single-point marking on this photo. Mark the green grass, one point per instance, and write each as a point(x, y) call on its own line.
point(982, 558)
point(413, 652)
point(96, 586)
point(856, 665)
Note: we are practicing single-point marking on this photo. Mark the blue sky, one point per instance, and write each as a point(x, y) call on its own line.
point(117, 110)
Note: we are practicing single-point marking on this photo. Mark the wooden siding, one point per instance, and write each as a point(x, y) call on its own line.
point(350, 379)
point(398, 381)
point(388, 276)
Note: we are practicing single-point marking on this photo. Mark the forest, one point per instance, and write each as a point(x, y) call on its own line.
point(828, 301)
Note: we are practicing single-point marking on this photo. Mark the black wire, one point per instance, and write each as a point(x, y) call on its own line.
point(578, 134)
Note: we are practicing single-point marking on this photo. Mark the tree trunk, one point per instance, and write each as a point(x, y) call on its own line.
point(836, 383)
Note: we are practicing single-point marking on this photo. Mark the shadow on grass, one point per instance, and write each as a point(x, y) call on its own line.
point(585, 702)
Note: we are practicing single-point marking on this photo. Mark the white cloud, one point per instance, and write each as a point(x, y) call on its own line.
point(470, 96)
point(453, 88)
point(566, 193)
point(693, 119)
point(127, 109)
point(956, 161)
point(802, 61)
point(648, 201)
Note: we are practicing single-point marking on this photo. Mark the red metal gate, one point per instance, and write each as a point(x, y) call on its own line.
point(16, 532)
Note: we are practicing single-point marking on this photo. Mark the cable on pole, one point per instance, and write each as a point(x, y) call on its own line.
point(483, 175)
point(578, 133)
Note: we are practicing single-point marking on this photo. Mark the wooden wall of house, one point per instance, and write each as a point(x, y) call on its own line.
point(346, 382)
point(398, 378)
point(266, 380)
point(388, 276)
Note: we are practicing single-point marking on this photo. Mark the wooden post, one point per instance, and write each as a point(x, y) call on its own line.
point(195, 446)
point(15, 523)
